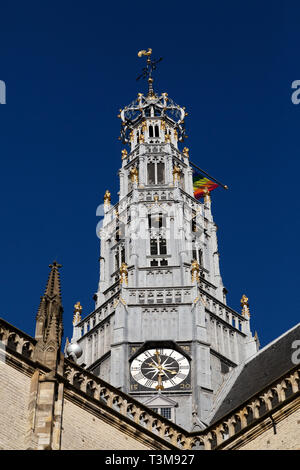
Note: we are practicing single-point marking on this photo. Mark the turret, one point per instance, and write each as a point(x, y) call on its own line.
point(49, 326)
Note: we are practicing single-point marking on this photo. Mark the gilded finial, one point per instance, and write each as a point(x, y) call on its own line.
point(195, 269)
point(134, 175)
point(176, 173)
point(124, 274)
point(124, 154)
point(245, 306)
point(167, 138)
point(206, 193)
point(77, 313)
point(107, 197)
point(141, 139)
point(185, 152)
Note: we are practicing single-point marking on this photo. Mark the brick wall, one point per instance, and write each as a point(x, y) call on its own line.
point(263, 437)
point(14, 394)
point(82, 430)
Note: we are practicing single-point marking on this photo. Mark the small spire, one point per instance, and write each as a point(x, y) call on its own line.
point(53, 284)
point(49, 324)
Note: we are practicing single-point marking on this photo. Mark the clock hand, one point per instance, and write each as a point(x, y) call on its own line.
point(170, 371)
point(158, 357)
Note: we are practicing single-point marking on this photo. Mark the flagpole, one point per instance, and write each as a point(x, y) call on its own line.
point(204, 172)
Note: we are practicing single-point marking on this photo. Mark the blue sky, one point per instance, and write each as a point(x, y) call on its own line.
point(69, 67)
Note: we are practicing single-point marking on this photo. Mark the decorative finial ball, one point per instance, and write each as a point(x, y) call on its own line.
point(74, 349)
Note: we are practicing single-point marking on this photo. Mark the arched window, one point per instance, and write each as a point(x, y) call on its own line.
point(150, 131)
point(156, 173)
point(156, 131)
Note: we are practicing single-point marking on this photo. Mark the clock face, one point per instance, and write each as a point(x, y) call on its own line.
point(160, 368)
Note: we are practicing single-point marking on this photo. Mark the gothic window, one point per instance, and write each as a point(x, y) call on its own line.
point(119, 257)
point(156, 173)
point(129, 183)
point(194, 225)
point(158, 246)
point(117, 233)
point(123, 254)
point(156, 220)
point(153, 246)
point(151, 173)
point(162, 246)
point(150, 131)
point(197, 254)
point(160, 173)
point(117, 265)
point(156, 131)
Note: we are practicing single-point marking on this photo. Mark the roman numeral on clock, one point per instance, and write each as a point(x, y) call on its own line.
point(181, 376)
point(149, 383)
point(138, 376)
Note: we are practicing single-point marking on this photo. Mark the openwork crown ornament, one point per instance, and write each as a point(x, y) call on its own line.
point(144, 106)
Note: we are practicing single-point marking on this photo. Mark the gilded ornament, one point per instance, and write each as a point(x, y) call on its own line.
point(185, 152)
point(195, 269)
point(144, 52)
point(124, 274)
point(134, 175)
point(176, 173)
point(245, 306)
point(77, 313)
point(107, 197)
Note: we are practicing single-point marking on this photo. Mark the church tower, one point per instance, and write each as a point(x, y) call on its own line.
point(161, 330)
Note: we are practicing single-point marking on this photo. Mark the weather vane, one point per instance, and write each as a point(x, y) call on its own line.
point(151, 65)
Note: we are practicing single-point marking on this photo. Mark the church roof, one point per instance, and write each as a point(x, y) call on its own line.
point(259, 371)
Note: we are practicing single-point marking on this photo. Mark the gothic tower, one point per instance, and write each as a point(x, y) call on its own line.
point(161, 329)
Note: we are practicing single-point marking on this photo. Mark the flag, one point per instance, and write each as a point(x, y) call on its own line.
point(200, 182)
